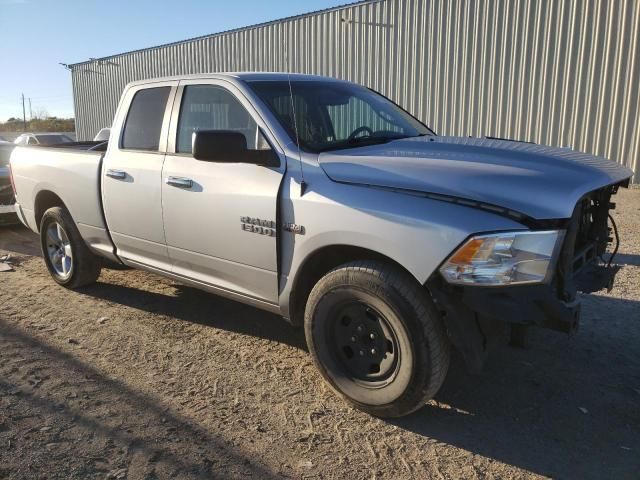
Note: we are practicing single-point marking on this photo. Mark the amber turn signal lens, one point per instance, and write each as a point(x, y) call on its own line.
point(467, 252)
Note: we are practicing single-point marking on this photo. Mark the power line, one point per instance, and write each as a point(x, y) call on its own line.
point(24, 115)
point(53, 96)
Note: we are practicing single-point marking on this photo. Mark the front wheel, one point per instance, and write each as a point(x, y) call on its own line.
point(376, 337)
point(67, 257)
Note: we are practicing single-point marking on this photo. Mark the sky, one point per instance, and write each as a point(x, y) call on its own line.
point(37, 35)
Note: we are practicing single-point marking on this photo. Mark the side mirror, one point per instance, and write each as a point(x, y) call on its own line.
point(229, 147)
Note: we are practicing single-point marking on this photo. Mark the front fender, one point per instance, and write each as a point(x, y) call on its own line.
point(417, 233)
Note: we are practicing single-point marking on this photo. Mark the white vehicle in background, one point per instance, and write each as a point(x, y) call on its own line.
point(102, 135)
point(44, 139)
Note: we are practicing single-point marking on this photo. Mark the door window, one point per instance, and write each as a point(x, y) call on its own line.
point(209, 107)
point(144, 120)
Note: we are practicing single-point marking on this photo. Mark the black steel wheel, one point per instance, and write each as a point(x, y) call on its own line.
point(377, 338)
point(364, 343)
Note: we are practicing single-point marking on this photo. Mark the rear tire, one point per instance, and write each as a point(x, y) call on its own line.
point(377, 338)
point(67, 257)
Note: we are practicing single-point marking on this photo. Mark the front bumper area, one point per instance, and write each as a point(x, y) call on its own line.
point(478, 317)
point(524, 305)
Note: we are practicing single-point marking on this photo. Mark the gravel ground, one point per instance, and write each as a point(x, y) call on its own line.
point(140, 377)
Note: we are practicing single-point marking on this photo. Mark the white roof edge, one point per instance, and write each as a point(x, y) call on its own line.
point(264, 76)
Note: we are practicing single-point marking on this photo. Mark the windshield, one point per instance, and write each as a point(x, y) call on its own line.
point(334, 115)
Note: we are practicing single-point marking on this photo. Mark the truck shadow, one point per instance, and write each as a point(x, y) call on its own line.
point(140, 425)
point(195, 306)
point(17, 239)
point(563, 407)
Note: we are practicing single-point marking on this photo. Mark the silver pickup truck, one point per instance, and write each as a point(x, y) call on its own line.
point(323, 201)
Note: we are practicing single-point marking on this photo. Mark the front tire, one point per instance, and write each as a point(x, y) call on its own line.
point(377, 338)
point(67, 257)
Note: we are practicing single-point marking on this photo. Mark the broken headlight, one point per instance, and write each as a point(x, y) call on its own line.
point(507, 258)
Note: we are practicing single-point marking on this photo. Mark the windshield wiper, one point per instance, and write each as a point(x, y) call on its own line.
point(381, 138)
point(363, 141)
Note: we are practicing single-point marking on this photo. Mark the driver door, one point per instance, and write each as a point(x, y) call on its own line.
point(204, 203)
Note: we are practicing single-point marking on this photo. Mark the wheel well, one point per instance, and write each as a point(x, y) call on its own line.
point(44, 201)
point(318, 264)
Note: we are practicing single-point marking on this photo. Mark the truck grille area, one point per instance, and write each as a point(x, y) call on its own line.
point(582, 266)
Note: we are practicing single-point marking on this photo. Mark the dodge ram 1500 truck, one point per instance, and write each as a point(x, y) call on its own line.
point(327, 203)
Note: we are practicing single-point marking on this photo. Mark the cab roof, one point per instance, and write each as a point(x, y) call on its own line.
point(243, 76)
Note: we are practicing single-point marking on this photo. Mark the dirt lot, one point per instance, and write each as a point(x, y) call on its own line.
point(140, 377)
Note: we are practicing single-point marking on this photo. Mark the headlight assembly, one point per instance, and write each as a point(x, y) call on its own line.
point(506, 258)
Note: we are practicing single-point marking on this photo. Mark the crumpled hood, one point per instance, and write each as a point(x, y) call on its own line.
point(538, 181)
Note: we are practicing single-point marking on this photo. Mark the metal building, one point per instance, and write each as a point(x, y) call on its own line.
point(563, 72)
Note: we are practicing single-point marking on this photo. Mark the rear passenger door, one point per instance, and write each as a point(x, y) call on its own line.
point(131, 175)
point(204, 203)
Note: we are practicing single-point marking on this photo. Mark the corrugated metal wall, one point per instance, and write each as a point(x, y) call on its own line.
point(563, 72)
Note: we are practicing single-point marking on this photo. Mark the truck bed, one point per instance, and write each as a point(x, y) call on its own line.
point(94, 146)
point(70, 172)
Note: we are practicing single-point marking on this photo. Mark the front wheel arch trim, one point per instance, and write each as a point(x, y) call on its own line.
point(320, 262)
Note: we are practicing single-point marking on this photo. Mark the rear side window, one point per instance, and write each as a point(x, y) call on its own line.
point(144, 120)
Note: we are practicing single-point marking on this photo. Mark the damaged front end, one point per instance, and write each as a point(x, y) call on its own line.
point(478, 316)
point(582, 266)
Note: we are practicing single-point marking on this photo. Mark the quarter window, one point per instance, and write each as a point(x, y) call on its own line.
point(144, 120)
point(208, 107)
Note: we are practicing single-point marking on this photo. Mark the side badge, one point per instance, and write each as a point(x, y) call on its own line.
point(293, 228)
point(259, 226)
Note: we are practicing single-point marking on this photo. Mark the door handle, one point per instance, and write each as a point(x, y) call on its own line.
point(179, 182)
point(117, 174)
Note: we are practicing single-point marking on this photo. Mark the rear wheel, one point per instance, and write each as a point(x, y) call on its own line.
point(377, 338)
point(67, 257)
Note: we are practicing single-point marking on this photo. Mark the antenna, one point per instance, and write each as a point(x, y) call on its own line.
point(303, 184)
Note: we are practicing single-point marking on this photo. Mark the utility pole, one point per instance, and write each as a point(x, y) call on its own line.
point(30, 111)
point(24, 116)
